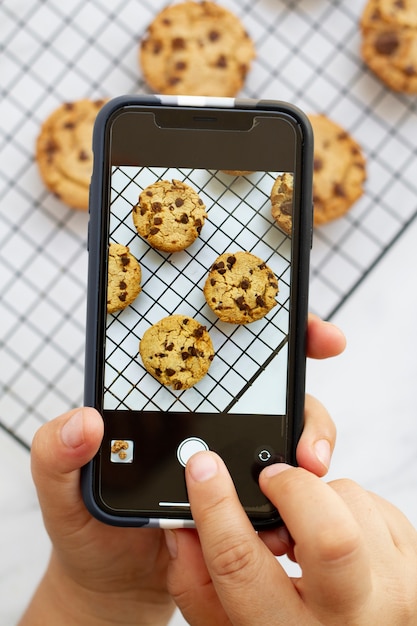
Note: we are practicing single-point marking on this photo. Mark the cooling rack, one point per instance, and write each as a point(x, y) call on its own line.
point(52, 52)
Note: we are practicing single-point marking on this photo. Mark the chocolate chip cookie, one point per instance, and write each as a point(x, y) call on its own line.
point(123, 279)
point(282, 201)
point(339, 170)
point(198, 49)
point(64, 153)
point(169, 215)
point(240, 288)
point(389, 42)
point(177, 351)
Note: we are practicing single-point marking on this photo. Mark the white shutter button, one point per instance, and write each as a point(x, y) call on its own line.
point(188, 447)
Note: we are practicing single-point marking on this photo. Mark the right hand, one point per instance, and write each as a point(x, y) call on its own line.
point(357, 553)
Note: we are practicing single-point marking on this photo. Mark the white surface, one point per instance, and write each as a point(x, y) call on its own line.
point(369, 391)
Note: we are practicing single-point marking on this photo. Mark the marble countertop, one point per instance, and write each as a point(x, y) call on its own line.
point(369, 390)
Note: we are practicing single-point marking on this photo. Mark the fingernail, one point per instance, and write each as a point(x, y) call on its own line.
point(276, 468)
point(171, 542)
point(72, 432)
point(323, 452)
point(202, 467)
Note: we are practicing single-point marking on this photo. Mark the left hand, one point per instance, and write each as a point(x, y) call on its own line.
point(98, 574)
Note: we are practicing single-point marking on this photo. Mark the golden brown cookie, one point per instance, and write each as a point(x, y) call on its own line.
point(240, 288)
point(123, 280)
point(197, 49)
point(177, 351)
point(282, 201)
point(64, 152)
point(169, 215)
point(339, 170)
point(389, 42)
point(238, 172)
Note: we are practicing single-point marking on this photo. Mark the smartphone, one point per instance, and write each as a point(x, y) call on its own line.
point(247, 401)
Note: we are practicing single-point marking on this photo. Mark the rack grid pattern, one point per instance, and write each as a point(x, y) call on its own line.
point(238, 218)
point(52, 52)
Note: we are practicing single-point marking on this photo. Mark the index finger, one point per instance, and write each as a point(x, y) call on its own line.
point(250, 583)
point(324, 339)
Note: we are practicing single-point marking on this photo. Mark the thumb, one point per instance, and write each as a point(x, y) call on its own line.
point(59, 449)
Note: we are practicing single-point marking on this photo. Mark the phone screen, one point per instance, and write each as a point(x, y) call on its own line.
point(242, 405)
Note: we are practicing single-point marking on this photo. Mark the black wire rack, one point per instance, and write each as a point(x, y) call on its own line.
point(53, 52)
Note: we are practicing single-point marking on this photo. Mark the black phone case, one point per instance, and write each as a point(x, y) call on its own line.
point(301, 255)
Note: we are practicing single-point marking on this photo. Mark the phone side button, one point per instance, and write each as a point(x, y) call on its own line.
point(188, 447)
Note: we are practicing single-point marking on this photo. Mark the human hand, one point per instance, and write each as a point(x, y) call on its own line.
point(104, 573)
point(357, 553)
point(97, 574)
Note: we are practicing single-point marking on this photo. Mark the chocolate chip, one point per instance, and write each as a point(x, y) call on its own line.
point(260, 301)
point(286, 208)
point(156, 207)
point(143, 210)
point(339, 190)
point(83, 155)
point(181, 66)
point(199, 332)
point(214, 35)
point(125, 259)
point(387, 43)
point(318, 164)
point(178, 43)
point(169, 347)
point(184, 356)
point(184, 219)
point(157, 221)
point(221, 61)
point(231, 260)
point(242, 305)
point(169, 372)
point(122, 285)
point(177, 385)
point(154, 231)
point(157, 47)
point(122, 297)
point(245, 284)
